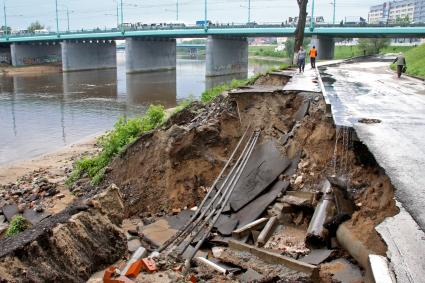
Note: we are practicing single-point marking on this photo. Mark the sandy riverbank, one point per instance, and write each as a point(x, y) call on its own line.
point(51, 161)
point(30, 70)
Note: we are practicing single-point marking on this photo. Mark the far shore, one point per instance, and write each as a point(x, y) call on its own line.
point(30, 70)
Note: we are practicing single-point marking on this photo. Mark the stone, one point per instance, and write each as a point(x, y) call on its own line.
point(2, 219)
point(133, 232)
point(39, 208)
point(21, 207)
point(133, 245)
point(60, 196)
point(298, 180)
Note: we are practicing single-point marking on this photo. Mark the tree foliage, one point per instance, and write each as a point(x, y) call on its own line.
point(35, 26)
point(373, 45)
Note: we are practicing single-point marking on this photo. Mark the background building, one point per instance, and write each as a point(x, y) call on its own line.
point(405, 11)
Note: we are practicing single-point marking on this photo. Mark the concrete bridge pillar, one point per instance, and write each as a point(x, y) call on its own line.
point(5, 56)
point(150, 54)
point(79, 55)
point(226, 55)
point(35, 53)
point(325, 46)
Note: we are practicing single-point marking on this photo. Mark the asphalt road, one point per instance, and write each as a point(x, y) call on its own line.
point(371, 90)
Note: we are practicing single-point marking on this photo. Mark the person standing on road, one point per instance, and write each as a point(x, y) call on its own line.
point(301, 59)
point(401, 64)
point(313, 55)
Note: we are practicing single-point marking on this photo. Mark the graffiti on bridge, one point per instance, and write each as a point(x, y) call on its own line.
point(5, 59)
point(41, 60)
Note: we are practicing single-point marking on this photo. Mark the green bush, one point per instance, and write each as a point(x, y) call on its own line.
point(17, 225)
point(124, 132)
point(211, 93)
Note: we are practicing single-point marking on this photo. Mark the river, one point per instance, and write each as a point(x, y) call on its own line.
point(42, 113)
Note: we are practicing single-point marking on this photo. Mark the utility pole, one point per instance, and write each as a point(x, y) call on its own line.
point(312, 16)
point(57, 17)
point(334, 3)
point(5, 18)
point(206, 15)
point(249, 11)
point(177, 10)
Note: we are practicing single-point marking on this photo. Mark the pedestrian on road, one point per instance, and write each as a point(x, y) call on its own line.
point(301, 59)
point(313, 55)
point(401, 64)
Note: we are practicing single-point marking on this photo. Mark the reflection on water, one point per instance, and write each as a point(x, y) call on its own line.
point(158, 88)
point(41, 113)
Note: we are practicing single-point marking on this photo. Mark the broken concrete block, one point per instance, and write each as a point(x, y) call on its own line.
point(317, 256)
point(133, 245)
point(250, 276)
point(10, 211)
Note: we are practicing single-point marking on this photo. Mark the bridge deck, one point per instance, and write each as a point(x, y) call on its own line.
point(230, 31)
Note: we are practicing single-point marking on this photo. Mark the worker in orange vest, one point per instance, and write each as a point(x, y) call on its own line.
point(313, 55)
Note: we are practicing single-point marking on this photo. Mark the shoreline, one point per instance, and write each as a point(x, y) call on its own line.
point(30, 70)
point(51, 161)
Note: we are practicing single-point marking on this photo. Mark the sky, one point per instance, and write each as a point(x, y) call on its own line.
point(103, 13)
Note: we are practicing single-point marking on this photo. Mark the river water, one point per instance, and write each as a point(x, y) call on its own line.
point(42, 113)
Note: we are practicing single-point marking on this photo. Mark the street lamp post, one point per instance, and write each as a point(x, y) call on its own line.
point(122, 17)
point(334, 4)
point(5, 18)
point(67, 17)
point(118, 14)
point(206, 15)
point(177, 10)
point(312, 16)
point(57, 17)
point(249, 11)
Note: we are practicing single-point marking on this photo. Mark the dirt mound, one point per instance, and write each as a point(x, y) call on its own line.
point(69, 246)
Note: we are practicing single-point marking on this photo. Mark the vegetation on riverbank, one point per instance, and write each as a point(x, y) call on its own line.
point(345, 52)
point(124, 132)
point(211, 93)
point(415, 60)
point(17, 225)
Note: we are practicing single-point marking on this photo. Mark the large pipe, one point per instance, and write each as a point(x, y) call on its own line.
point(182, 230)
point(316, 233)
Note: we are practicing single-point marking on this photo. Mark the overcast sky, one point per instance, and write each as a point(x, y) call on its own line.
point(102, 13)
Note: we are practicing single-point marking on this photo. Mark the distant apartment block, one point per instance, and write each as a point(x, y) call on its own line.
point(398, 11)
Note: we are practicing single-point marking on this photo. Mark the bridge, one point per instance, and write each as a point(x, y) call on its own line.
point(155, 49)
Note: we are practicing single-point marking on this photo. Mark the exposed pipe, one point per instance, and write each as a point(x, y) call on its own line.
point(223, 194)
point(223, 204)
point(181, 231)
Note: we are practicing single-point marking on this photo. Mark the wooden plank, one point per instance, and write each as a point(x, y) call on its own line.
point(274, 258)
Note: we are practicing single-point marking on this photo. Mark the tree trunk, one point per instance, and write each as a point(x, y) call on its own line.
point(299, 31)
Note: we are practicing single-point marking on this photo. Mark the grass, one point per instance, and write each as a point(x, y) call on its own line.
point(211, 93)
point(266, 51)
point(345, 52)
point(415, 60)
point(17, 225)
point(124, 132)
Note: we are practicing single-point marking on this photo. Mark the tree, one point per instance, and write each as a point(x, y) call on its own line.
point(35, 26)
point(299, 31)
point(4, 28)
point(373, 45)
